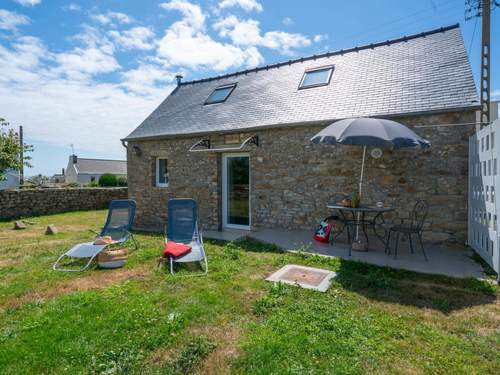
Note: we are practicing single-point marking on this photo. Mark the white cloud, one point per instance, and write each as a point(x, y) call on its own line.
point(95, 56)
point(28, 3)
point(287, 21)
point(83, 62)
point(495, 94)
point(120, 17)
point(193, 15)
point(247, 5)
point(72, 7)
point(144, 79)
point(109, 17)
point(19, 62)
point(183, 46)
point(247, 32)
point(185, 43)
point(11, 20)
point(93, 37)
point(135, 38)
point(284, 42)
point(241, 32)
point(320, 37)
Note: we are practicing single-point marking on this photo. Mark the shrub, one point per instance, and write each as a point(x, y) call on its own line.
point(121, 181)
point(92, 184)
point(107, 179)
point(72, 184)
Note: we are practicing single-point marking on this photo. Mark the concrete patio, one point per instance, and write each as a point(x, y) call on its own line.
point(449, 260)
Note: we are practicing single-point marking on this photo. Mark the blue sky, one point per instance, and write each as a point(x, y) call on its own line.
point(88, 72)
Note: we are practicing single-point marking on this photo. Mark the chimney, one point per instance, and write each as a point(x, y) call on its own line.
point(74, 158)
point(63, 171)
point(178, 77)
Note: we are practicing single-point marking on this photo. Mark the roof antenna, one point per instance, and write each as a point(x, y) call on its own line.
point(178, 77)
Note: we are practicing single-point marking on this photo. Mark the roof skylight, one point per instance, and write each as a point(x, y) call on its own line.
point(316, 77)
point(220, 94)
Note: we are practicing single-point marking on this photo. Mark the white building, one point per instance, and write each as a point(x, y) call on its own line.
point(12, 181)
point(494, 113)
point(89, 170)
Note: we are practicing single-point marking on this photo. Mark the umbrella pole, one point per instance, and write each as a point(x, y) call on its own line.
point(362, 170)
point(360, 188)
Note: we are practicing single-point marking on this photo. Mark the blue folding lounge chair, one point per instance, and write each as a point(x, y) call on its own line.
point(182, 227)
point(120, 219)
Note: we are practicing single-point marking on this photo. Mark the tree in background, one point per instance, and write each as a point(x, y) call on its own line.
point(107, 179)
point(10, 150)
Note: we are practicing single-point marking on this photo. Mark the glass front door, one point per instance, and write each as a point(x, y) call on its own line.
point(236, 191)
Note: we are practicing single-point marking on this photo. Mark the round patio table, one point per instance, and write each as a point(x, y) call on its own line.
point(364, 217)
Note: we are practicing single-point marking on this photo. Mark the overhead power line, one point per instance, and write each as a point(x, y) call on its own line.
point(473, 35)
point(412, 18)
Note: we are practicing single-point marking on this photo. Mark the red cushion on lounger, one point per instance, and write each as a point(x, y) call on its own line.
point(175, 249)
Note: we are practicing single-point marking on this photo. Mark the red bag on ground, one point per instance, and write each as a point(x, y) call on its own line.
point(175, 249)
point(322, 234)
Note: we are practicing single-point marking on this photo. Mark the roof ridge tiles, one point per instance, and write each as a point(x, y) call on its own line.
point(326, 54)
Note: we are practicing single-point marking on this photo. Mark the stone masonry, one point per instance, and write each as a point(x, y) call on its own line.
point(292, 179)
point(32, 202)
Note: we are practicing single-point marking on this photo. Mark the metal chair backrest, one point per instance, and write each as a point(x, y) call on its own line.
point(182, 220)
point(120, 218)
point(419, 214)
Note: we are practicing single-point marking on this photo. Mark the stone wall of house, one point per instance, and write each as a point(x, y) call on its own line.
point(32, 202)
point(292, 179)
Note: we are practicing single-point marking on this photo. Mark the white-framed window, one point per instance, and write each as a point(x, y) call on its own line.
point(161, 172)
point(316, 77)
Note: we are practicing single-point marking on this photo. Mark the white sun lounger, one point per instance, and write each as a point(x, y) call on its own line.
point(118, 225)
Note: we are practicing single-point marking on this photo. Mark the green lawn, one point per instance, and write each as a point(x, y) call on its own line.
point(141, 320)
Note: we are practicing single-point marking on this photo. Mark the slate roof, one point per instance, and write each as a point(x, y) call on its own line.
point(101, 166)
point(421, 73)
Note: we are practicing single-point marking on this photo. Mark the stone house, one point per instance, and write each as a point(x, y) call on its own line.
point(83, 170)
point(240, 143)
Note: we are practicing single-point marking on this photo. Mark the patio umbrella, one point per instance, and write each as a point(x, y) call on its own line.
point(365, 132)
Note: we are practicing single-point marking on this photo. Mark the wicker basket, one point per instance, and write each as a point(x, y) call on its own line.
point(112, 258)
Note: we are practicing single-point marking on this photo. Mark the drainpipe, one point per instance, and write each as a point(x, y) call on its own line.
point(124, 144)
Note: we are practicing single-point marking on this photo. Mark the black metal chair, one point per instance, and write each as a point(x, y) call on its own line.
point(413, 225)
point(342, 224)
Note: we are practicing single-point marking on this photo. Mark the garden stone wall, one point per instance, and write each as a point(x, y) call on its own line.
point(292, 179)
point(32, 202)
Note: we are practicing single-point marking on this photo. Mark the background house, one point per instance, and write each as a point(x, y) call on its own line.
point(423, 81)
point(11, 181)
point(83, 171)
point(58, 178)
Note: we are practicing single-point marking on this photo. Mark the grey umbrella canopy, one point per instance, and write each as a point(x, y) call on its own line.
point(370, 132)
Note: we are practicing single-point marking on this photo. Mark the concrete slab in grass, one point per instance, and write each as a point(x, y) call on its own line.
point(305, 277)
